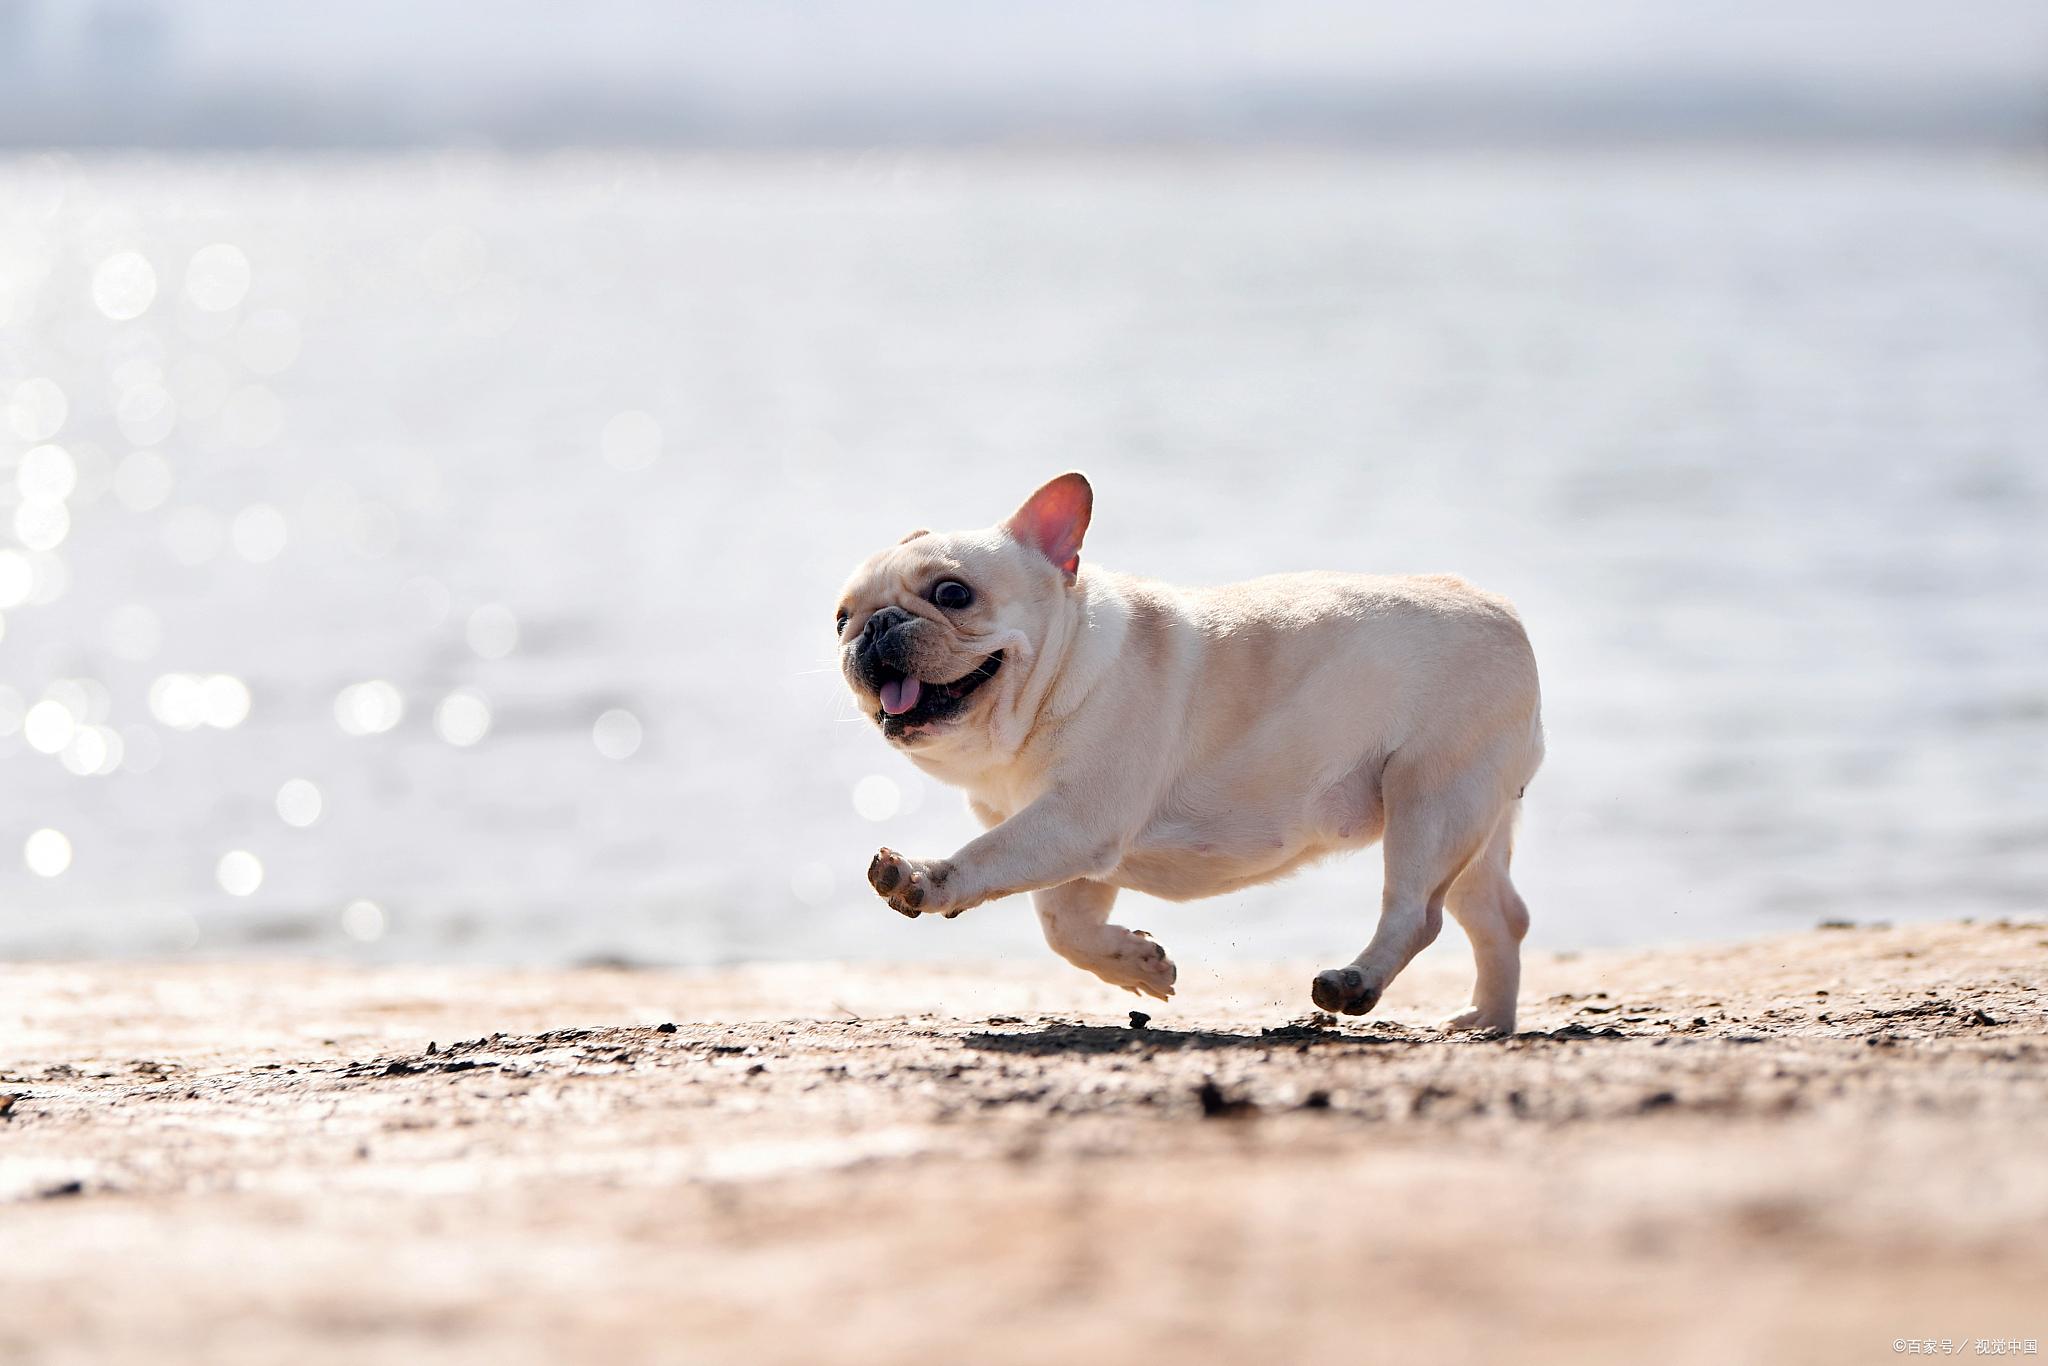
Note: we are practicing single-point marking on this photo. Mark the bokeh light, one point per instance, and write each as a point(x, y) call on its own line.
point(49, 577)
point(94, 751)
point(239, 872)
point(47, 853)
point(299, 803)
point(37, 408)
point(142, 481)
point(188, 701)
point(178, 700)
point(87, 699)
point(46, 471)
point(217, 278)
point(224, 701)
point(877, 797)
point(463, 717)
point(124, 285)
point(16, 579)
point(493, 631)
point(616, 734)
point(369, 708)
point(259, 533)
point(49, 726)
point(146, 413)
point(363, 921)
point(42, 523)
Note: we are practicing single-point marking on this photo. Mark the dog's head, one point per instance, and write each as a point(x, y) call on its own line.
point(928, 626)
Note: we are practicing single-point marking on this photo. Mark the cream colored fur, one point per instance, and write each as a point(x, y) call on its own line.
point(1186, 742)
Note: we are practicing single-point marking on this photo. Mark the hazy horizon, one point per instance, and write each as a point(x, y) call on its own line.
point(240, 73)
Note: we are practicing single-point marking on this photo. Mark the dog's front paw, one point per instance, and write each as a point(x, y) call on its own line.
point(1344, 991)
point(914, 887)
point(1133, 961)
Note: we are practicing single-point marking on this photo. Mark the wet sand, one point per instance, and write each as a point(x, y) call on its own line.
point(1796, 1149)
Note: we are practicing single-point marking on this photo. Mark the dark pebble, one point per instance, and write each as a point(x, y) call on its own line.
point(1216, 1105)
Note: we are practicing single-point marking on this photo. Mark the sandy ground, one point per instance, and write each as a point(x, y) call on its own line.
point(1799, 1149)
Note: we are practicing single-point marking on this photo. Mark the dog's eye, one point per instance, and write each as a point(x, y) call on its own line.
point(952, 595)
point(844, 617)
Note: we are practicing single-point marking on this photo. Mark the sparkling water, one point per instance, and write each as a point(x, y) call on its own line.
point(434, 557)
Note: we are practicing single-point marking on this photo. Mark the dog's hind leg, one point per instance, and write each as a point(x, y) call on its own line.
point(1075, 916)
point(1491, 912)
point(1436, 824)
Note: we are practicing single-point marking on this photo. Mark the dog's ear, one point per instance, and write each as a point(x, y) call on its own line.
point(921, 531)
point(1054, 519)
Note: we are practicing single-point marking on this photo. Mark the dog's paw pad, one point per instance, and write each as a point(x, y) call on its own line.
point(885, 870)
point(910, 886)
point(1344, 991)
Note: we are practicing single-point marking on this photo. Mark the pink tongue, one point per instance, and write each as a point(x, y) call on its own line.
point(900, 696)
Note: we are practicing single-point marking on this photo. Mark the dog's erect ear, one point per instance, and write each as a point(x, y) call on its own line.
point(1054, 519)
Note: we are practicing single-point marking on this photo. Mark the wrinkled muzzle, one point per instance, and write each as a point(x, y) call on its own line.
point(885, 658)
point(891, 658)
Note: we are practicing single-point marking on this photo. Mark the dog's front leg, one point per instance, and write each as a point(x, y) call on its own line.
point(1075, 917)
point(1054, 840)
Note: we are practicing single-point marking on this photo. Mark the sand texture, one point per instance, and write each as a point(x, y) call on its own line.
point(1799, 1149)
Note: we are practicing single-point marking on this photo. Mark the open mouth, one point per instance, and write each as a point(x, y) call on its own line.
point(908, 703)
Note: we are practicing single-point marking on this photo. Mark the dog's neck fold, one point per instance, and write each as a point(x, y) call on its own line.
point(1081, 644)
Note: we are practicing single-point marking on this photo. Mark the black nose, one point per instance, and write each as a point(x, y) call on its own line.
point(883, 651)
point(883, 622)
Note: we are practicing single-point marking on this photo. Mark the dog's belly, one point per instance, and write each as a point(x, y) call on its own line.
point(1190, 874)
point(1192, 854)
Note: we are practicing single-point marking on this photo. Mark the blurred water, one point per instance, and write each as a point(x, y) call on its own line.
point(1759, 444)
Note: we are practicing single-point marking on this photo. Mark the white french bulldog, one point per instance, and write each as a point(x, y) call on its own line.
point(1114, 731)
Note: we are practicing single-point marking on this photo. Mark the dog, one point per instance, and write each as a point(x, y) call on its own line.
point(1114, 732)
